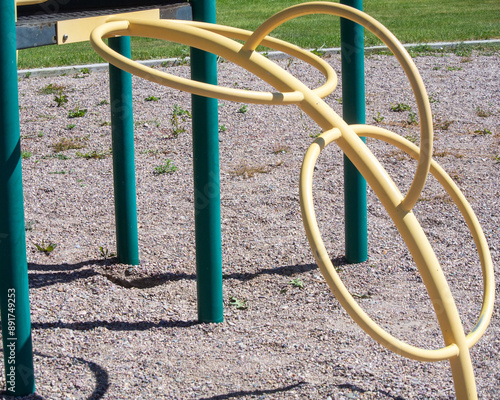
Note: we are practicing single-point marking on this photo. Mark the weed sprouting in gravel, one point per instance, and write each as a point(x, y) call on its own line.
point(77, 113)
point(297, 282)
point(379, 118)
point(400, 107)
point(45, 248)
point(239, 304)
point(68, 144)
point(105, 253)
point(167, 168)
point(179, 115)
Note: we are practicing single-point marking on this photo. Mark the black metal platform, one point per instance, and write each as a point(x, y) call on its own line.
point(37, 24)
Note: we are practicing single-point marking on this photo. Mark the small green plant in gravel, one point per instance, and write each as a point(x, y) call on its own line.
point(237, 303)
point(26, 154)
point(152, 98)
point(57, 156)
point(167, 168)
point(379, 118)
point(452, 68)
point(411, 138)
point(103, 102)
point(105, 253)
point(150, 152)
point(179, 115)
point(412, 118)
point(77, 113)
point(497, 159)
point(482, 113)
point(96, 155)
point(45, 248)
point(67, 144)
point(60, 99)
point(483, 132)
point(70, 126)
point(315, 135)
point(433, 99)
point(400, 107)
point(222, 128)
point(243, 109)
point(52, 89)
point(297, 282)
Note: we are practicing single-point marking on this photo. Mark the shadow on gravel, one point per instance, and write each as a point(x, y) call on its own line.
point(69, 273)
point(159, 279)
point(354, 388)
point(100, 374)
point(113, 326)
point(243, 393)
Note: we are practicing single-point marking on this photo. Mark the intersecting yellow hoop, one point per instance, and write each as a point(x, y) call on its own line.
point(343, 294)
point(218, 39)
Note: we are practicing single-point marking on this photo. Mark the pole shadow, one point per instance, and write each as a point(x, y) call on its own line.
point(243, 393)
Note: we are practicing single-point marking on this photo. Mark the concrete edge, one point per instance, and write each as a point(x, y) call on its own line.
point(275, 55)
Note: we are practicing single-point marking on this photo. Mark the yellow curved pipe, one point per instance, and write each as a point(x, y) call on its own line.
point(334, 281)
point(398, 50)
point(217, 39)
point(467, 212)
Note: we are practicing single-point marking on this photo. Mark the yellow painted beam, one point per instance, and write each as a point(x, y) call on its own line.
point(78, 30)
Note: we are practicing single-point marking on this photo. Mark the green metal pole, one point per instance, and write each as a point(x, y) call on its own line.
point(14, 289)
point(206, 179)
point(122, 130)
point(353, 100)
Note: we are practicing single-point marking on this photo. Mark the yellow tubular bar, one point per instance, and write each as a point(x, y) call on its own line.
point(401, 54)
point(192, 35)
point(336, 284)
point(466, 211)
point(219, 40)
point(276, 44)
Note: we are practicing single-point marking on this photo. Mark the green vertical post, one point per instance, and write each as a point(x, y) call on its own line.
point(14, 289)
point(353, 100)
point(206, 179)
point(122, 131)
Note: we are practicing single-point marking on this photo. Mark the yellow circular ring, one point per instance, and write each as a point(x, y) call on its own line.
point(198, 35)
point(379, 30)
point(336, 284)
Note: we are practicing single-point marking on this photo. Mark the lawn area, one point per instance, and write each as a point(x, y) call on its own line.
point(411, 21)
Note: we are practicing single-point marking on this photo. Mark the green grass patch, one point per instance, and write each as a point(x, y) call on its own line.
point(411, 21)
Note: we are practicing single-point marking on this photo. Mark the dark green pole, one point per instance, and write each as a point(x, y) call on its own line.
point(122, 131)
point(353, 100)
point(206, 179)
point(14, 289)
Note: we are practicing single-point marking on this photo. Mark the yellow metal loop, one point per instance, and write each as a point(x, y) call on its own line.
point(469, 216)
point(333, 279)
point(398, 50)
point(197, 35)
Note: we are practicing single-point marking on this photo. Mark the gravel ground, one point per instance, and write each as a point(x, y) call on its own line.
point(106, 330)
